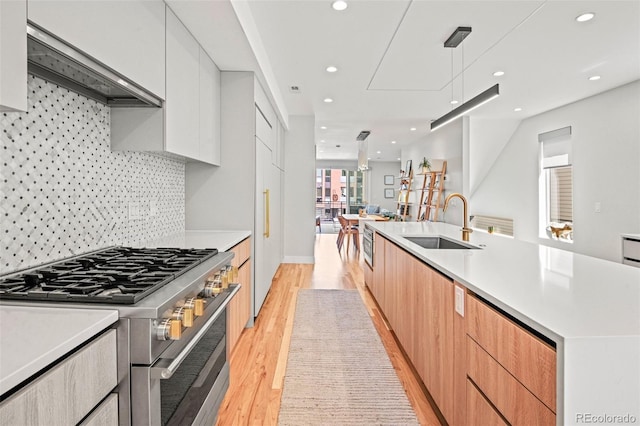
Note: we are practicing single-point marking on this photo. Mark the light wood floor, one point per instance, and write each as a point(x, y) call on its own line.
point(258, 362)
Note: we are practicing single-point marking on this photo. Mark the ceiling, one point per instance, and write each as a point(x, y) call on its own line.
point(394, 73)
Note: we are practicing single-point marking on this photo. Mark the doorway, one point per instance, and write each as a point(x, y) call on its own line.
point(338, 191)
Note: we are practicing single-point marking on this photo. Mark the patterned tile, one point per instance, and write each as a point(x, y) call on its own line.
point(62, 190)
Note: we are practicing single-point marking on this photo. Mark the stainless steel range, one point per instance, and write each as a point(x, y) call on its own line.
point(172, 357)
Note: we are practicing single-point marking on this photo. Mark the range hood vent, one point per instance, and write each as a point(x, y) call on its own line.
point(54, 60)
point(363, 135)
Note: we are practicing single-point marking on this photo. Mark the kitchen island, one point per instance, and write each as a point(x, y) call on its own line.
point(564, 297)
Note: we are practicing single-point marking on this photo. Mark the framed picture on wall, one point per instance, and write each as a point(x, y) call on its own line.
point(388, 179)
point(388, 193)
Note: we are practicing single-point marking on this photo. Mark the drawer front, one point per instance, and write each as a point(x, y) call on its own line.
point(479, 411)
point(242, 252)
point(105, 414)
point(510, 397)
point(70, 390)
point(525, 356)
point(631, 249)
point(630, 262)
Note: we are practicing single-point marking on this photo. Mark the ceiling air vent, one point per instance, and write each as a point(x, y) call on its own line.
point(363, 135)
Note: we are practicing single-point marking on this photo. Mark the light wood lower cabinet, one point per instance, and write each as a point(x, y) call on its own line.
point(239, 310)
point(69, 391)
point(514, 401)
point(418, 304)
point(479, 410)
point(479, 366)
point(105, 414)
point(525, 356)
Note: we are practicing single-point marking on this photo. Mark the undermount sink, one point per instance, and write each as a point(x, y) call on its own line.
point(439, 243)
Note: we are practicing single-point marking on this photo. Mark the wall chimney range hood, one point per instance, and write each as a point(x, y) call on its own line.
point(54, 60)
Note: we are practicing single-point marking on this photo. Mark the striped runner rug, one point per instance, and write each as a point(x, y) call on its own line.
point(338, 372)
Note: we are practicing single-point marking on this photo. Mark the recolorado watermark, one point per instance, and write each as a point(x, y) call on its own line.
point(587, 418)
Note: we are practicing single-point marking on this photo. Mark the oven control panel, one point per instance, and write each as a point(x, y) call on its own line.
point(186, 311)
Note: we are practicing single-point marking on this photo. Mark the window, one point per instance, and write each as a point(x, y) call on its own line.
point(556, 185)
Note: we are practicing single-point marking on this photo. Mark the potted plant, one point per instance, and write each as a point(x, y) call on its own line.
point(425, 164)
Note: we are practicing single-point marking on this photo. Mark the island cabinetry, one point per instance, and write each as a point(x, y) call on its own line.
point(70, 390)
point(239, 310)
point(513, 368)
point(479, 410)
point(418, 304)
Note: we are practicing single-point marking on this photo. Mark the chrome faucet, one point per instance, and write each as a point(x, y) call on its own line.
point(465, 228)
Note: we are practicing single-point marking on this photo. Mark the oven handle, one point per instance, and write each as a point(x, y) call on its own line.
point(174, 364)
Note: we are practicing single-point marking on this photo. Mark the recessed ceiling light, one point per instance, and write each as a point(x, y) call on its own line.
point(585, 17)
point(518, 109)
point(498, 73)
point(413, 129)
point(368, 158)
point(453, 102)
point(332, 69)
point(339, 5)
point(393, 141)
point(594, 78)
point(321, 140)
point(378, 152)
point(328, 100)
point(323, 127)
point(398, 158)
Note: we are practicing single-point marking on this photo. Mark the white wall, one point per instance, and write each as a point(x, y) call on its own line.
point(444, 144)
point(299, 190)
point(606, 159)
point(375, 191)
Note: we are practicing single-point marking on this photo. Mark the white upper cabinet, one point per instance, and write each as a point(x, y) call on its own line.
point(127, 36)
point(189, 125)
point(183, 83)
point(13, 55)
point(209, 110)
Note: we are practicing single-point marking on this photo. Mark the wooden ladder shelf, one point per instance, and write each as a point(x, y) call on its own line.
point(431, 194)
point(402, 208)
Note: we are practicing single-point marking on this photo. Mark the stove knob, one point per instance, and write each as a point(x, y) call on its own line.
point(198, 307)
point(183, 314)
point(213, 286)
point(235, 274)
point(195, 304)
point(187, 318)
point(169, 329)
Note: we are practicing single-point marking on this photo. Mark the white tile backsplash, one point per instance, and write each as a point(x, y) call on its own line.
point(62, 190)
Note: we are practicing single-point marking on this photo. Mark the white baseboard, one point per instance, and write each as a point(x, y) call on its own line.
point(299, 259)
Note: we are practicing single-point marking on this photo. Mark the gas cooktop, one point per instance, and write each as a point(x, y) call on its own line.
point(121, 275)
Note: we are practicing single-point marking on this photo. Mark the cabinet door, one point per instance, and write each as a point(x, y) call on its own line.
point(263, 218)
point(209, 136)
point(434, 336)
point(183, 83)
point(13, 55)
point(127, 36)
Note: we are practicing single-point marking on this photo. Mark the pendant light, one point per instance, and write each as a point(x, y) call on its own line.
point(494, 91)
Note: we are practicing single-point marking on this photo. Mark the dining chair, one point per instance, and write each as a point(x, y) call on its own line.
point(348, 231)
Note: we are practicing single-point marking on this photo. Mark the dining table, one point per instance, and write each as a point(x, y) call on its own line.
point(354, 219)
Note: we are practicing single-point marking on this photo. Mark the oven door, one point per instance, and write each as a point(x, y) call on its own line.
point(188, 388)
point(367, 245)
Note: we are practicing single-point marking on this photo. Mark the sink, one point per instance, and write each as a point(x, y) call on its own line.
point(439, 243)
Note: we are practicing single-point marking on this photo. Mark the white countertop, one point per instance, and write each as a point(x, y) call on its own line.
point(590, 307)
point(34, 337)
point(555, 291)
point(221, 240)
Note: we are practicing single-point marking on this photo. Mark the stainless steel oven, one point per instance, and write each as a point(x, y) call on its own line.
point(187, 382)
point(367, 245)
point(172, 304)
